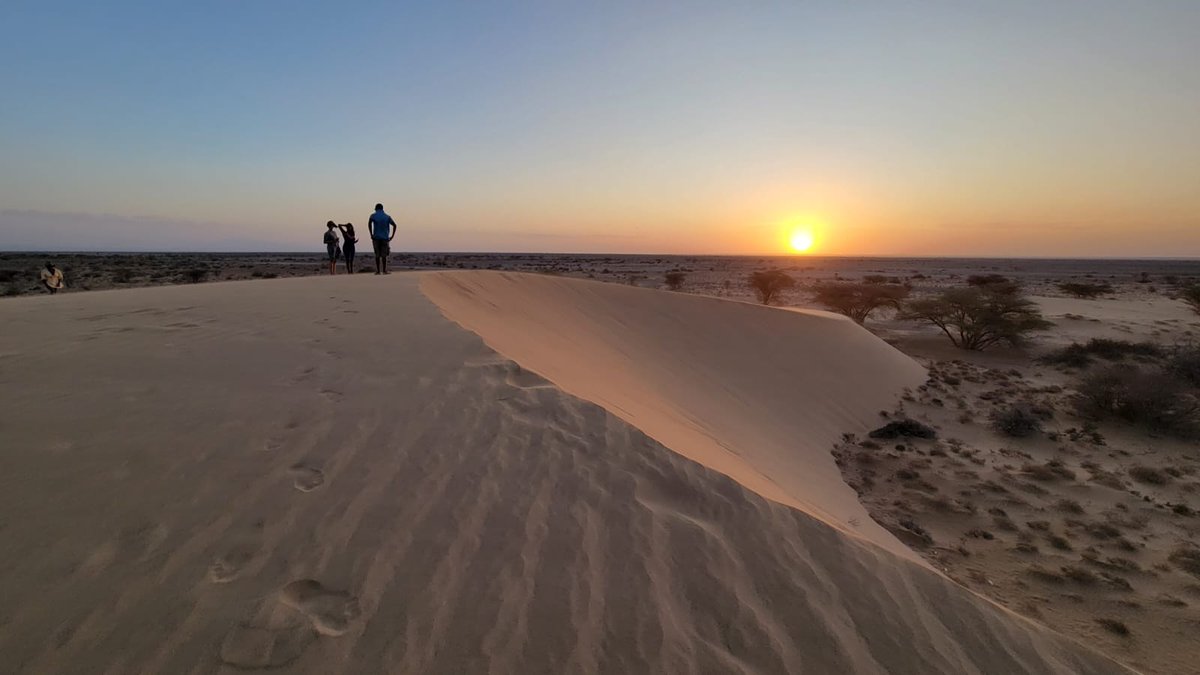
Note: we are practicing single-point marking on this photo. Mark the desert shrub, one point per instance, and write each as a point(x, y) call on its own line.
point(1113, 626)
point(195, 275)
point(1085, 290)
point(9, 276)
point(880, 279)
point(1186, 558)
point(1021, 420)
point(12, 289)
point(769, 284)
point(857, 301)
point(1184, 364)
point(122, 275)
point(674, 279)
point(978, 317)
point(1191, 296)
point(1150, 398)
point(980, 280)
point(1078, 355)
point(906, 428)
point(1148, 474)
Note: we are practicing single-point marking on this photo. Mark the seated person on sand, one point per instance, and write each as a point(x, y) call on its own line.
point(348, 242)
point(52, 278)
point(382, 229)
point(331, 246)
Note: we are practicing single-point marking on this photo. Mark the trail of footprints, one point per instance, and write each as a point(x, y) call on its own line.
point(281, 627)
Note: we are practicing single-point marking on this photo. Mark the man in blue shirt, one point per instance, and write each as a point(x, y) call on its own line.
point(382, 229)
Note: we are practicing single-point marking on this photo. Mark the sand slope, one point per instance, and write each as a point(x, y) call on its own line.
point(759, 394)
point(325, 475)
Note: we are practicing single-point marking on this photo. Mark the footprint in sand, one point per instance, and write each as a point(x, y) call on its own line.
point(228, 567)
point(275, 638)
point(245, 544)
point(331, 612)
point(332, 395)
point(307, 479)
point(249, 647)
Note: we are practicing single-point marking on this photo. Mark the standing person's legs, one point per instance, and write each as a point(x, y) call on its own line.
point(348, 253)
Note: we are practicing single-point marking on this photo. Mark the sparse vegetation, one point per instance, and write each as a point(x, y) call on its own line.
point(1078, 355)
point(768, 285)
point(1184, 364)
point(857, 301)
point(1149, 398)
point(1191, 296)
point(1021, 420)
point(674, 279)
point(980, 316)
point(1148, 475)
point(1113, 626)
point(1085, 290)
point(1186, 558)
point(904, 428)
point(195, 275)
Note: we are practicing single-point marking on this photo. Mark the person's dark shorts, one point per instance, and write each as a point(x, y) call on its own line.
point(332, 249)
point(381, 247)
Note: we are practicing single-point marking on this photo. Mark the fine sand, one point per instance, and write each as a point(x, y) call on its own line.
point(332, 475)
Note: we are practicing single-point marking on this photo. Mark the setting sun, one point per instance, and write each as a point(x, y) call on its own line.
point(801, 241)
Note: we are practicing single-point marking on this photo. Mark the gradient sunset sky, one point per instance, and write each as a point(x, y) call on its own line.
point(1049, 128)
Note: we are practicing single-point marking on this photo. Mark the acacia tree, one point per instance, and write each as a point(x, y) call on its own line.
point(978, 317)
point(768, 284)
point(857, 301)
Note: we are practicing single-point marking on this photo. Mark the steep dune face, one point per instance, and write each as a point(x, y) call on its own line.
point(328, 476)
point(756, 393)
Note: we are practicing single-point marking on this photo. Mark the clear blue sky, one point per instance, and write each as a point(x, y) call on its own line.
point(961, 128)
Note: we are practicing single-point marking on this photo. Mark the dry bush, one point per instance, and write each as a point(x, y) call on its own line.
point(1148, 475)
point(857, 301)
point(674, 279)
point(1021, 420)
point(1191, 296)
point(905, 428)
point(1184, 364)
point(1052, 470)
point(1078, 355)
point(979, 317)
point(122, 275)
point(768, 285)
point(1186, 558)
point(1085, 290)
point(1149, 398)
point(989, 280)
point(195, 275)
point(1113, 626)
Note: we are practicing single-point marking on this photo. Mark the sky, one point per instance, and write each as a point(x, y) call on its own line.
point(962, 128)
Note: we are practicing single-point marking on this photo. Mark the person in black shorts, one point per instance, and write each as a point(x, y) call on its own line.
point(331, 246)
point(348, 242)
point(382, 228)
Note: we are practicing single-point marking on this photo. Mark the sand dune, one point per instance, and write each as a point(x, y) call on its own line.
point(326, 475)
point(759, 394)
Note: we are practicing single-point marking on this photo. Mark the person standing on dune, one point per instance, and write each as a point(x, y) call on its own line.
point(382, 228)
point(349, 239)
point(331, 246)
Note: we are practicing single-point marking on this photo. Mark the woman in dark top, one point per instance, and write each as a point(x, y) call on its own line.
point(348, 242)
